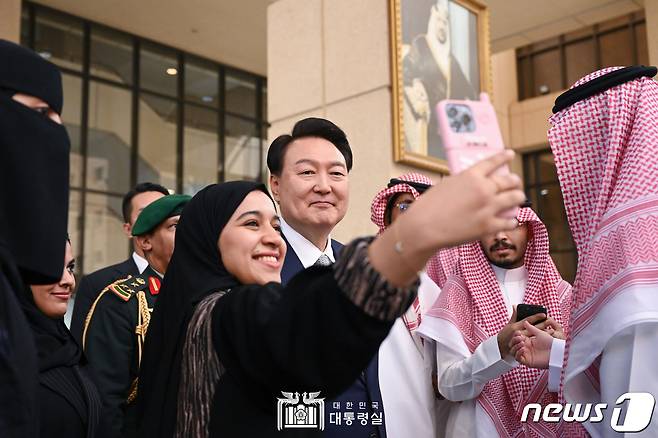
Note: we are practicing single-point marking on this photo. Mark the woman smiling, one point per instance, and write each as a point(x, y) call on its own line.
point(226, 338)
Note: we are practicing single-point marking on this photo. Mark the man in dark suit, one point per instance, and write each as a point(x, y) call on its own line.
point(92, 284)
point(309, 180)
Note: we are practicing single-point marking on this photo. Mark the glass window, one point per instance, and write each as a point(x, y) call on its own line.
point(555, 217)
point(201, 82)
point(158, 69)
point(109, 133)
point(243, 150)
point(201, 149)
point(157, 140)
point(546, 68)
point(129, 117)
point(543, 190)
point(547, 170)
point(25, 26)
point(58, 38)
point(111, 55)
point(105, 241)
point(580, 58)
point(240, 94)
point(614, 40)
point(264, 103)
point(525, 78)
point(611, 45)
point(72, 119)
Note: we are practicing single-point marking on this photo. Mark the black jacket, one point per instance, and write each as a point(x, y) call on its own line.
point(90, 286)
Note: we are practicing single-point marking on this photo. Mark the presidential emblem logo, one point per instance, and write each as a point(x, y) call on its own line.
point(293, 413)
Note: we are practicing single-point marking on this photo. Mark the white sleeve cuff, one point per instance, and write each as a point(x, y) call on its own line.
point(489, 364)
point(555, 364)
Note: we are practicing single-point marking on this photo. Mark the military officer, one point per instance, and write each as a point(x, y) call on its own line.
point(116, 325)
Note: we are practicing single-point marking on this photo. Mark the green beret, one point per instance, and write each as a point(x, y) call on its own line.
point(157, 211)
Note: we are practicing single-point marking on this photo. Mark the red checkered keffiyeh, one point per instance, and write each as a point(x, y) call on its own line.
point(412, 317)
point(606, 154)
point(472, 301)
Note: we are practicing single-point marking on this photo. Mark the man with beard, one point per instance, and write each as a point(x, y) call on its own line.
point(117, 323)
point(34, 176)
point(431, 61)
point(474, 320)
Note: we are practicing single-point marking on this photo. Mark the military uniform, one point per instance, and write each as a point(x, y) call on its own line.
point(113, 339)
point(116, 326)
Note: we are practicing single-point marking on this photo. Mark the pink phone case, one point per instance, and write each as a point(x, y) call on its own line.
point(470, 133)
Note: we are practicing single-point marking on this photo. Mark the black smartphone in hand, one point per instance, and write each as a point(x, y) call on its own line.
point(525, 310)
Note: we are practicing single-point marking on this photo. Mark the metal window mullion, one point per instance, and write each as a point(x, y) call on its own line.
point(180, 137)
point(32, 23)
point(259, 127)
point(84, 135)
point(221, 127)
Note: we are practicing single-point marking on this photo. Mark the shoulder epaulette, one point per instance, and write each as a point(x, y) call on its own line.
point(127, 287)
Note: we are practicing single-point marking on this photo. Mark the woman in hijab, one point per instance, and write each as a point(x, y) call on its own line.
point(68, 402)
point(226, 339)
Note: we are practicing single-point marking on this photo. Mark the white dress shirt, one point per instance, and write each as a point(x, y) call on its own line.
point(462, 375)
point(307, 253)
point(141, 262)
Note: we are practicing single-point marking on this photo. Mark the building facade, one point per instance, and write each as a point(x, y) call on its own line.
point(188, 94)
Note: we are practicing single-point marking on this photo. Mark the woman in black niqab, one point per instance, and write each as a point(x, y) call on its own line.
point(34, 176)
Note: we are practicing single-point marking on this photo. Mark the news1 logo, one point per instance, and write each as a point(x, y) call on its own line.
point(638, 412)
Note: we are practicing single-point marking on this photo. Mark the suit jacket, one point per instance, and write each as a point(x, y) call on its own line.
point(364, 390)
point(90, 286)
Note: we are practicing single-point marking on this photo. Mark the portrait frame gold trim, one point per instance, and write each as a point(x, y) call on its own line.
point(401, 155)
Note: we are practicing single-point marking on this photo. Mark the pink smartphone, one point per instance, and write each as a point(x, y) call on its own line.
point(470, 133)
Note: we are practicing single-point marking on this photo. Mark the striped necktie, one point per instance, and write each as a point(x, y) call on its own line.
point(323, 260)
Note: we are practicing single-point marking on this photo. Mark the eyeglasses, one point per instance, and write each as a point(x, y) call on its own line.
point(402, 206)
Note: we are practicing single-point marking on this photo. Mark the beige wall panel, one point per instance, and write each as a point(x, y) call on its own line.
point(10, 20)
point(295, 60)
point(651, 14)
point(609, 10)
point(505, 90)
point(284, 126)
point(367, 122)
point(356, 47)
point(529, 121)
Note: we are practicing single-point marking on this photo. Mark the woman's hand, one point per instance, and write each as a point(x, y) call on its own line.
point(464, 207)
point(459, 209)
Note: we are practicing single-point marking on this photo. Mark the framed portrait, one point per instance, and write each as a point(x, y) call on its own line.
point(440, 50)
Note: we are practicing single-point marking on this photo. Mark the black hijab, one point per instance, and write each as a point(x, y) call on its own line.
point(55, 344)
point(34, 169)
point(195, 270)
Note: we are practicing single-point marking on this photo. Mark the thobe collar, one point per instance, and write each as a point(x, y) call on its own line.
point(141, 262)
point(307, 253)
point(513, 275)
